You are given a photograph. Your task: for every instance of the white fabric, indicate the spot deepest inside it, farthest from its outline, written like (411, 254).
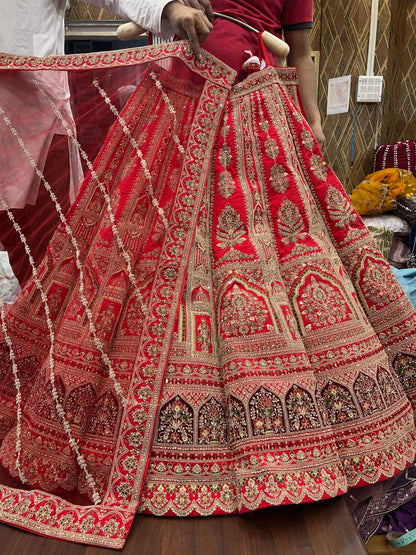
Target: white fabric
(36, 28)
(390, 221)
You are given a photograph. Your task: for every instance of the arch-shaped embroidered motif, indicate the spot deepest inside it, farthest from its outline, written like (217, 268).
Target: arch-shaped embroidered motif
(107, 319)
(136, 223)
(211, 423)
(320, 300)
(266, 413)
(404, 365)
(176, 422)
(118, 282)
(46, 407)
(387, 382)
(103, 418)
(368, 394)
(301, 409)
(339, 403)
(200, 295)
(373, 283)
(79, 403)
(236, 420)
(245, 310)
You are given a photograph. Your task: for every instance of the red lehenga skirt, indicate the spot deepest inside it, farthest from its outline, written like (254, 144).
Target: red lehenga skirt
(212, 329)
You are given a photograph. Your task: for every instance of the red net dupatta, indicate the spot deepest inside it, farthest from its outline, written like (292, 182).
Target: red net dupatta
(140, 125)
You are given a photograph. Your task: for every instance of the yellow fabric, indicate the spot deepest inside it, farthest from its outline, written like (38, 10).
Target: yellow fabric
(380, 190)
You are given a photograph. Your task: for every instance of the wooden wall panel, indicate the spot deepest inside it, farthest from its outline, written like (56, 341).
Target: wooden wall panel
(344, 39)
(86, 12)
(399, 121)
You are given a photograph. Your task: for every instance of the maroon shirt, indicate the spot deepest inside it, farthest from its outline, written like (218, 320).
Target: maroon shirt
(228, 41)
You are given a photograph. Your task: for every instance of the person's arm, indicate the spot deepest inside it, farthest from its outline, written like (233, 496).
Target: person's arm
(187, 19)
(300, 57)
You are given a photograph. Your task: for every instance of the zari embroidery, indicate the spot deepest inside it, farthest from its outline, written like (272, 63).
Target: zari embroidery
(262, 371)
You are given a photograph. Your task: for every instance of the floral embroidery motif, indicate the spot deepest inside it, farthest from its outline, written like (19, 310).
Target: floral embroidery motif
(79, 403)
(105, 322)
(387, 383)
(226, 185)
(307, 140)
(47, 406)
(266, 413)
(271, 148)
(236, 420)
(225, 157)
(56, 299)
(338, 403)
(340, 208)
(203, 335)
(242, 313)
(291, 225)
(231, 230)
(322, 304)
(176, 422)
(134, 318)
(279, 178)
(319, 167)
(368, 394)
(404, 365)
(301, 409)
(211, 423)
(104, 415)
(375, 285)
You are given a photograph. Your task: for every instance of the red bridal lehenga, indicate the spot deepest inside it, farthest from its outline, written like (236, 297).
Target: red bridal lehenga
(212, 329)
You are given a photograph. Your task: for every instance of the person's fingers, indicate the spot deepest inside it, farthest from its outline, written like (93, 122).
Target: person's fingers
(191, 34)
(196, 32)
(203, 27)
(204, 5)
(188, 23)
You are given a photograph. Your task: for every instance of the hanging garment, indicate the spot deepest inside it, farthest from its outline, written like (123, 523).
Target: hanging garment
(213, 329)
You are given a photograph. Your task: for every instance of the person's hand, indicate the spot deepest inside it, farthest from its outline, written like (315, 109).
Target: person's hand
(204, 5)
(319, 135)
(188, 22)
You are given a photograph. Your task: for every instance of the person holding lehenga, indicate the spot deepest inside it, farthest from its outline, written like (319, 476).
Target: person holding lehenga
(213, 329)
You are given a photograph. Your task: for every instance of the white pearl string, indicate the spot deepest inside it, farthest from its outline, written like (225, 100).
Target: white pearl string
(60, 410)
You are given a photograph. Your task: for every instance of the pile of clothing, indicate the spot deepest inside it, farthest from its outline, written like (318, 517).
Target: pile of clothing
(386, 200)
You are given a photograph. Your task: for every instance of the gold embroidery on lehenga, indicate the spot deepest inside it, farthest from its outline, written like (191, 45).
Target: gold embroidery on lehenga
(291, 225)
(211, 423)
(266, 413)
(308, 140)
(319, 167)
(226, 185)
(271, 148)
(322, 304)
(176, 420)
(302, 410)
(368, 394)
(236, 420)
(242, 313)
(279, 178)
(339, 403)
(230, 230)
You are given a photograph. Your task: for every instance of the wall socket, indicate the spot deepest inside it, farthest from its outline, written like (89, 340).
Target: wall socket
(369, 88)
